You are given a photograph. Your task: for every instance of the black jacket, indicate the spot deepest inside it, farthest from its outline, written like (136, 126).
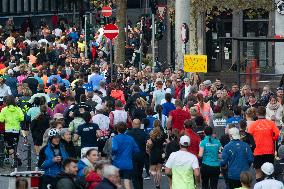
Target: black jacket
(248, 138)
(32, 83)
(66, 181)
(131, 102)
(69, 147)
(39, 125)
(106, 184)
(140, 138)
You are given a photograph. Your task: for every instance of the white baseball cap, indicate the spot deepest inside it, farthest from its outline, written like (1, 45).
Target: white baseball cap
(168, 90)
(267, 168)
(235, 133)
(10, 72)
(184, 140)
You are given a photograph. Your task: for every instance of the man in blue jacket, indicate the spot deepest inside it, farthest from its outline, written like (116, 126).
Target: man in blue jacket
(50, 160)
(237, 157)
(123, 148)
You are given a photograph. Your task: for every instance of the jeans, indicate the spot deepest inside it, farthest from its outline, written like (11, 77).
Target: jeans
(210, 176)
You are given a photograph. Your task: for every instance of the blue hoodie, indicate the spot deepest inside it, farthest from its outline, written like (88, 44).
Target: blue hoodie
(238, 156)
(123, 148)
(50, 167)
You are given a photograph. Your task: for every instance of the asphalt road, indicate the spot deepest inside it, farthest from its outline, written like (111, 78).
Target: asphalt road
(148, 184)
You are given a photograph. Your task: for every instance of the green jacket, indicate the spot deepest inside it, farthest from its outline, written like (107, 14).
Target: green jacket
(11, 116)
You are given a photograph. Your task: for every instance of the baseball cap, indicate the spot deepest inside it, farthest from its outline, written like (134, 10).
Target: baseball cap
(159, 81)
(58, 116)
(184, 140)
(235, 133)
(267, 168)
(168, 90)
(10, 72)
(207, 83)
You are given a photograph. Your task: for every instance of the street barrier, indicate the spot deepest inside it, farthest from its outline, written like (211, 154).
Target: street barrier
(32, 177)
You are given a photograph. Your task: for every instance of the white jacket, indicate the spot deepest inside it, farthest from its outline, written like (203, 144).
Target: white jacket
(277, 113)
(269, 183)
(4, 91)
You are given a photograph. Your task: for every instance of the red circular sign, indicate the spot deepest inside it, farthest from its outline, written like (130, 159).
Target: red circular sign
(111, 31)
(106, 11)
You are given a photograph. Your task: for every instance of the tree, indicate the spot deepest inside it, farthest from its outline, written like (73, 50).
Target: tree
(214, 7)
(119, 57)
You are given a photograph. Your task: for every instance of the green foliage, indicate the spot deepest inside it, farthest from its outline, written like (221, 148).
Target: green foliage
(255, 7)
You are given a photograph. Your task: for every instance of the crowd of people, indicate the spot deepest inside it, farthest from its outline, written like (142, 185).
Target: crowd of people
(91, 132)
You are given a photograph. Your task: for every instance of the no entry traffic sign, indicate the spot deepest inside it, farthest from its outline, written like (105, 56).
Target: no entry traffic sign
(111, 31)
(106, 11)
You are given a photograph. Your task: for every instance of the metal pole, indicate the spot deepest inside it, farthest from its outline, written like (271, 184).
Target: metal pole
(74, 9)
(29, 157)
(153, 41)
(238, 63)
(86, 46)
(111, 62)
(2, 152)
(91, 19)
(141, 43)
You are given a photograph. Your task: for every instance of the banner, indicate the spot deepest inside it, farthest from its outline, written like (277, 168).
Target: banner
(195, 63)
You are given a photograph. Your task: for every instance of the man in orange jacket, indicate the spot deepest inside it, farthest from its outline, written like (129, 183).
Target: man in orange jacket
(265, 133)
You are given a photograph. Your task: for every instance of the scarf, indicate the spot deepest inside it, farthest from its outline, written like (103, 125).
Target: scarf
(273, 106)
(88, 163)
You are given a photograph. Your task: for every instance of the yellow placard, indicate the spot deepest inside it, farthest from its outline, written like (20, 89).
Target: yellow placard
(195, 63)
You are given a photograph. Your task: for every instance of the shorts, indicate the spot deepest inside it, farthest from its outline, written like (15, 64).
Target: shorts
(37, 140)
(125, 174)
(9, 138)
(261, 159)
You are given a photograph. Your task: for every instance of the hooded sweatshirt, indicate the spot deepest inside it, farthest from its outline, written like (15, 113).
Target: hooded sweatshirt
(11, 116)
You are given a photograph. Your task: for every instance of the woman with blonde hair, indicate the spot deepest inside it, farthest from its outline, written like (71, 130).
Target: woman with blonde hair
(250, 116)
(139, 110)
(155, 149)
(245, 91)
(204, 109)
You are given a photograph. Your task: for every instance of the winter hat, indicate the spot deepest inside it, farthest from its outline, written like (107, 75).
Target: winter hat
(267, 168)
(235, 133)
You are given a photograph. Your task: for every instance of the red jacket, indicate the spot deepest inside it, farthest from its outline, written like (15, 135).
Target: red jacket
(194, 141)
(178, 118)
(93, 179)
(265, 133)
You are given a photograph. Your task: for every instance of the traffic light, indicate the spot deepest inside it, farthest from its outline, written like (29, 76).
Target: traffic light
(154, 6)
(159, 31)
